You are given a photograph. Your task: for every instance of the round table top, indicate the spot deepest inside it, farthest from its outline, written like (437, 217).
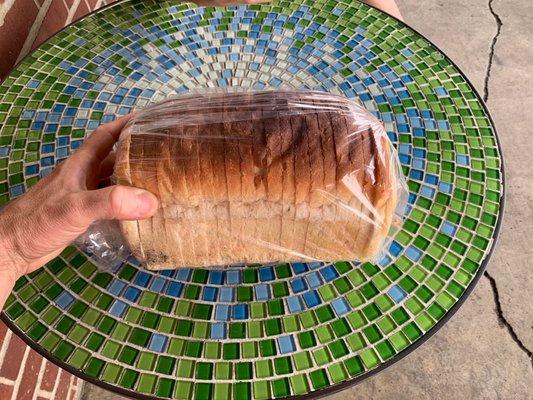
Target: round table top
(274, 330)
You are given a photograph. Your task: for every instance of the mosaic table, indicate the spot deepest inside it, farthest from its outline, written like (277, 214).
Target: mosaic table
(267, 331)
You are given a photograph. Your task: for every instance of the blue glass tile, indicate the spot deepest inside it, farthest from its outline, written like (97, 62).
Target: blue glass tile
(64, 300)
(218, 330)
(158, 343)
(311, 298)
(395, 248)
(286, 344)
(240, 311)
(340, 306)
(174, 289)
(299, 268)
(116, 287)
(118, 308)
(329, 273)
(313, 280)
(157, 284)
(397, 294)
(298, 285)
(445, 187)
(266, 274)
(222, 312)
(462, 160)
(233, 277)
(216, 277)
(142, 279)
(209, 293)
(294, 304)
(448, 228)
(413, 253)
(226, 294)
(262, 292)
(184, 274)
(132, 294)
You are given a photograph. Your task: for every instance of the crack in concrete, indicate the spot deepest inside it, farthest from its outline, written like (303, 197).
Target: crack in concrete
(499, 24)
(499, 311)
(502, 320)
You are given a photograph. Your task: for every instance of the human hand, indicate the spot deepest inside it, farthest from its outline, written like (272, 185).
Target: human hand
(388, 6)
(37, 226)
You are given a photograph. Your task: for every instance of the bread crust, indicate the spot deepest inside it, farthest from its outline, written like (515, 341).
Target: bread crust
(258, 177)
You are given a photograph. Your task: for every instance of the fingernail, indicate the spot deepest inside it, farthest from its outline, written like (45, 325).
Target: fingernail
(146, 204)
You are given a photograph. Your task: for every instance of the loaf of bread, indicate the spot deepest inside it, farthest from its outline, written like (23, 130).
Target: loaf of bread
(258, 177)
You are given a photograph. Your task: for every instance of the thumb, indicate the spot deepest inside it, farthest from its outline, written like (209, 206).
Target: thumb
(117, 202)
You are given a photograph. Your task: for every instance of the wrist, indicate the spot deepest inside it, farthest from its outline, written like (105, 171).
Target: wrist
(11, 264)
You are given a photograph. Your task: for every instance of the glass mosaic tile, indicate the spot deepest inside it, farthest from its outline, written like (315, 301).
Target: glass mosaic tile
(253, 332)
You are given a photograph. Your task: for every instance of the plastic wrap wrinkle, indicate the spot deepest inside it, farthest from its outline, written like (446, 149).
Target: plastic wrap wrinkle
(255, 177)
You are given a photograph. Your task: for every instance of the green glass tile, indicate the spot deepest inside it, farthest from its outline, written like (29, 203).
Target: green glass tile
(146, 383)
(193, 349)
(230, 351)
(302, 361)
(243, 371)
(299, 384)
(306, 339)
(354, 366)
(319, 379)
(355, 341)
(324, 334)
(176, 347)
(139, 336)
(110, 349)
(183, 390)
(185, 368)
(223, 370)
(165, 387)
(282, 365)
(78, 358)
(93, 367)
(63, 350)
(263, 368)
(414, 305)
(212, 350)
(261, 390)
(369, 358)
(128, 355)
(203, 391)
(281, 387)
(222, 391)
(371, 312)
(249, 350)
(129, 378)
(204, 371)
(111, 373)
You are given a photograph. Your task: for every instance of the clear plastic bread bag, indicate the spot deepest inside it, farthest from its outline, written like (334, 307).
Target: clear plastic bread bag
(248, 177)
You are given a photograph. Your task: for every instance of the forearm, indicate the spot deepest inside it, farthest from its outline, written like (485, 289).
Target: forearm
(8, 275)
(389, 6)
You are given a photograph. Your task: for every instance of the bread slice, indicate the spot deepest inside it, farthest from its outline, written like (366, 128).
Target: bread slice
(258, 177)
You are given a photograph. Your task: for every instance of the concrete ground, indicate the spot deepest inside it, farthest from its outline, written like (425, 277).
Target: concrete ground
(484, 351)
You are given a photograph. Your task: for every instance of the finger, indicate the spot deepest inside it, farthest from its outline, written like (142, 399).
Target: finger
(107, 166)
(98, 144)
(105, 170)
(114, 202)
